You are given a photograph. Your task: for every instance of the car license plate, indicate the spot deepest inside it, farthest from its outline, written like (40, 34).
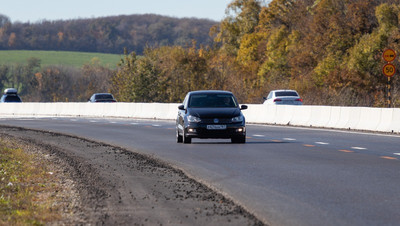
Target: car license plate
(216, 127)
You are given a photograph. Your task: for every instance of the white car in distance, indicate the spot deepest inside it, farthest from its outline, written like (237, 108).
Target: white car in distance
(282, 97)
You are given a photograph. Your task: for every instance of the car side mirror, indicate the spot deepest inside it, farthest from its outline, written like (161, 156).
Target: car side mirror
(181, 107)
(243, 107)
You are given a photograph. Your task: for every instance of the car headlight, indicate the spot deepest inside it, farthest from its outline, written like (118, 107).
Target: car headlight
(238, 119)
(192, 118)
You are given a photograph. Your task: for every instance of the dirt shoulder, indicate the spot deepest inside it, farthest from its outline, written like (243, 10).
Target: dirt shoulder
(110, 185)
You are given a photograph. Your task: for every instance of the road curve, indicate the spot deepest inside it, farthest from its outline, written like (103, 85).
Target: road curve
(283, 175)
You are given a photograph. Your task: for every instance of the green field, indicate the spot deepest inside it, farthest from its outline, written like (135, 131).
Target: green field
(75, 59)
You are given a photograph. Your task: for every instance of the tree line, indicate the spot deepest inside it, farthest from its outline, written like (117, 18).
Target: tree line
(38, 83)
(330, 51)
(106, 34)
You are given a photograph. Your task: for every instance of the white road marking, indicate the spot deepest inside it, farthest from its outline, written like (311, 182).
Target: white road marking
(396, 153)
(74, 120)
(258, 135)
(289, 139)
(156, 125)
(358, 148)
(92, 121)
(322, 143)
(21, 119)
(113, 122)
(323, 129)
(134, 123)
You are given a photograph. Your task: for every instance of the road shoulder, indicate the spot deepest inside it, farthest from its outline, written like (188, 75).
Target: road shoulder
(118, 186)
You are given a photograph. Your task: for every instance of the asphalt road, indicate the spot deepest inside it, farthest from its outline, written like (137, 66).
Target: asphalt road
(283, 175)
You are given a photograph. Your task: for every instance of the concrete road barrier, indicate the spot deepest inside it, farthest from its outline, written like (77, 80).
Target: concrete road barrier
(320, 116)
(300, 115)
(369, 119)
(354, 115)
(395, 125)
(358, 118)
(334, 118)
(284, 114)
(344, 117)
(385, 121)
(258, 113)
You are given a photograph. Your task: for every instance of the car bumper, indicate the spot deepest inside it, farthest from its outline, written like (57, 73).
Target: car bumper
(200, 131)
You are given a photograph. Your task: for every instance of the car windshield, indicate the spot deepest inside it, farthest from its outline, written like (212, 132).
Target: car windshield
(12, 99)
(286, 94)
(212, 101)
(104, 97)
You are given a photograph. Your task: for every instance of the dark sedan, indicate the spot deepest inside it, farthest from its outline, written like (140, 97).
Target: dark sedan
(210, 114)
(102, 98)
(10, 96)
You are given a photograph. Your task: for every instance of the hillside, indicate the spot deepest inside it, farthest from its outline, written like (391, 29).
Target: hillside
(329, 51)
(106, 34)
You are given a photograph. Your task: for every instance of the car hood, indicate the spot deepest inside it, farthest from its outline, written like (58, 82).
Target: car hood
(214, 112)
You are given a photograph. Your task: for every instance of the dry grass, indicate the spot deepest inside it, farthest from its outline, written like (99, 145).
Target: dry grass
(27, 188)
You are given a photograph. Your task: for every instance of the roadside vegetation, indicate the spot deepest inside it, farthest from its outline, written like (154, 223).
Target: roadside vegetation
(27, 189)
(52, 76)
(330, 51)
(55, 83)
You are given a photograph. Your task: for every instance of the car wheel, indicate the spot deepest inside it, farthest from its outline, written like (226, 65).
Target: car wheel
(179, 138)
(186, 140)
(239, 140)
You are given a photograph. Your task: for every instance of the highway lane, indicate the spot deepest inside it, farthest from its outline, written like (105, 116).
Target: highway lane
(284, 175)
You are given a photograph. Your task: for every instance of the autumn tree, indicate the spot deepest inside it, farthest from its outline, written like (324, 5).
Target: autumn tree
(241, 19)
(53, 84)
(95, 79)
(121, 81)
(4, 20)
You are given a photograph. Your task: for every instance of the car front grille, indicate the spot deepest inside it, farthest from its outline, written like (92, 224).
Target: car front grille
(220, 120)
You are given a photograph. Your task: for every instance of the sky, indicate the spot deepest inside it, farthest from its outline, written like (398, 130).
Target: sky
(37, 10)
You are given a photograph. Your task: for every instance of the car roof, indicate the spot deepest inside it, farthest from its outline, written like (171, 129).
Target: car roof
(283, 90)
(210, 91)
(102, 94)
(10, 91)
